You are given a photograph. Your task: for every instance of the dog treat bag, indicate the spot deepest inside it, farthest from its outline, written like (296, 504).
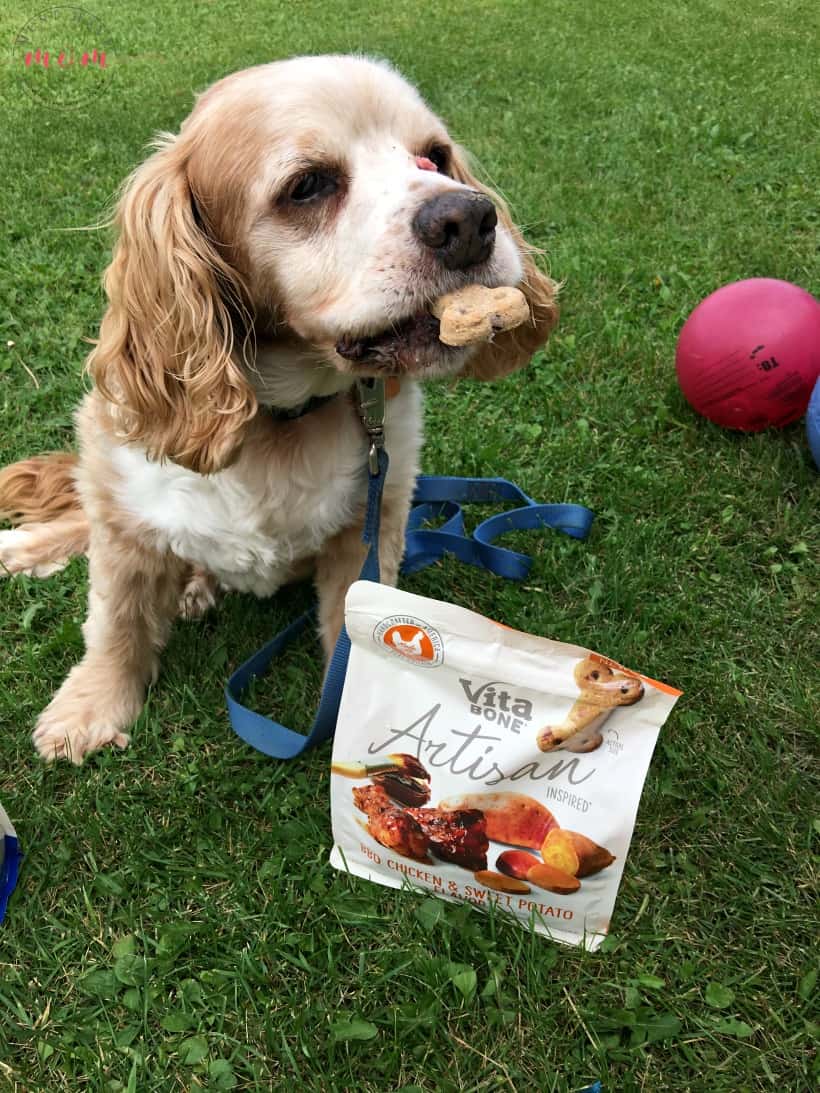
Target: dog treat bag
(480, 763)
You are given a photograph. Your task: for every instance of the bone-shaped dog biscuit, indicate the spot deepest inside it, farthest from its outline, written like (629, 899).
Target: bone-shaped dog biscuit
(475, 313)
(602, 690)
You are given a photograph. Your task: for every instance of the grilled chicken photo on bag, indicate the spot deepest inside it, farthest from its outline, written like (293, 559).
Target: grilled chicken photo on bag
(458, 836)
(390, 825)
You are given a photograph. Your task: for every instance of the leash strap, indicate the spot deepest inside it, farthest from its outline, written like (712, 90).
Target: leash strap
(441, 496)
(437, 497)
(262, 732)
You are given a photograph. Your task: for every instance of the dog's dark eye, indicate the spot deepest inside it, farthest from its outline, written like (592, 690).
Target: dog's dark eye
(313, 185)
(439, 155)
(595, 675)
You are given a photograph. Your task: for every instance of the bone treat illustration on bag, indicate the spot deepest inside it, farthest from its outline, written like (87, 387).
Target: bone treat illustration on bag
(484, 764)
(602, 689)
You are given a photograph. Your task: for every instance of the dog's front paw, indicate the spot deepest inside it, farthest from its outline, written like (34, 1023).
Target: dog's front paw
(198, 596)
(92, 709)
(57, 738)
(19, 554)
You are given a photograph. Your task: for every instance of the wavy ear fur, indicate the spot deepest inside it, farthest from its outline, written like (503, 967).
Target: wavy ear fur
(513, 349)
(165, 355)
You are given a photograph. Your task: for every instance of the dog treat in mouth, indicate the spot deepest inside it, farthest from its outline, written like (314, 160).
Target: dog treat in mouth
(473, 314)
(466, 317)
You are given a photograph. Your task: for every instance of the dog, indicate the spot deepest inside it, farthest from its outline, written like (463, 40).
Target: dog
(289, 240)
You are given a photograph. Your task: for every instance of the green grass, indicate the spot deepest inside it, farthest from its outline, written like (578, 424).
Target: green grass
(177, 925)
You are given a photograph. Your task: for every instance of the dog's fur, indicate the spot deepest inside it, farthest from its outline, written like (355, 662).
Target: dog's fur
(228, 298)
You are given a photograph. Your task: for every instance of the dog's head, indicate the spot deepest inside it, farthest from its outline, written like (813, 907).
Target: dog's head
(295, 234)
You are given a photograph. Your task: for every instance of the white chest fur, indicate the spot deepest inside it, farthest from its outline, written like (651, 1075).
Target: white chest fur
(280, 501)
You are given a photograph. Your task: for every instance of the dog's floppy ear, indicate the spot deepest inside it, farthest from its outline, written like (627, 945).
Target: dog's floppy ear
(513, 349)
(165, 355)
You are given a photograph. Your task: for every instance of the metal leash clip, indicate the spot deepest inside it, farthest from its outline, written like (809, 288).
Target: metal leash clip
(370, 405)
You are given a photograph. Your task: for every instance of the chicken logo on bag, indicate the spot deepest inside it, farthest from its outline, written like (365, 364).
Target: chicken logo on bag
(411, 639)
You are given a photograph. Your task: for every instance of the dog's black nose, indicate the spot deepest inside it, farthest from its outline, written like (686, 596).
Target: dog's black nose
(459, 226)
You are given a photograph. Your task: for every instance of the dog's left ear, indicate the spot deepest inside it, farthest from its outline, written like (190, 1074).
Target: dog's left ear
(513, 349)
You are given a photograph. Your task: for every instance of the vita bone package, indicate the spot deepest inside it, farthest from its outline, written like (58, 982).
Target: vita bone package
(484, 764)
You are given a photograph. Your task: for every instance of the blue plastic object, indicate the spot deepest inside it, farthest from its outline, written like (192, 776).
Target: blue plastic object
(813, 424)
(9, 861)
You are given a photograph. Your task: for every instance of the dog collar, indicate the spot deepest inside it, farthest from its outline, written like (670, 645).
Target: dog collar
(295, 412)
(391, 386)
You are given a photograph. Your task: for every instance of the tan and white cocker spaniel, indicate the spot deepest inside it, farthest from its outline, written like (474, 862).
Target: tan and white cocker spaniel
(289, 240)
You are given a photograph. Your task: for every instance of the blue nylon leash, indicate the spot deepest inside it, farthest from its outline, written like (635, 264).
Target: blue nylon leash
(262, 732)
(437, 497)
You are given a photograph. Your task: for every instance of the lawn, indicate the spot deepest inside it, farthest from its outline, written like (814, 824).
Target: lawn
(177, 925)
